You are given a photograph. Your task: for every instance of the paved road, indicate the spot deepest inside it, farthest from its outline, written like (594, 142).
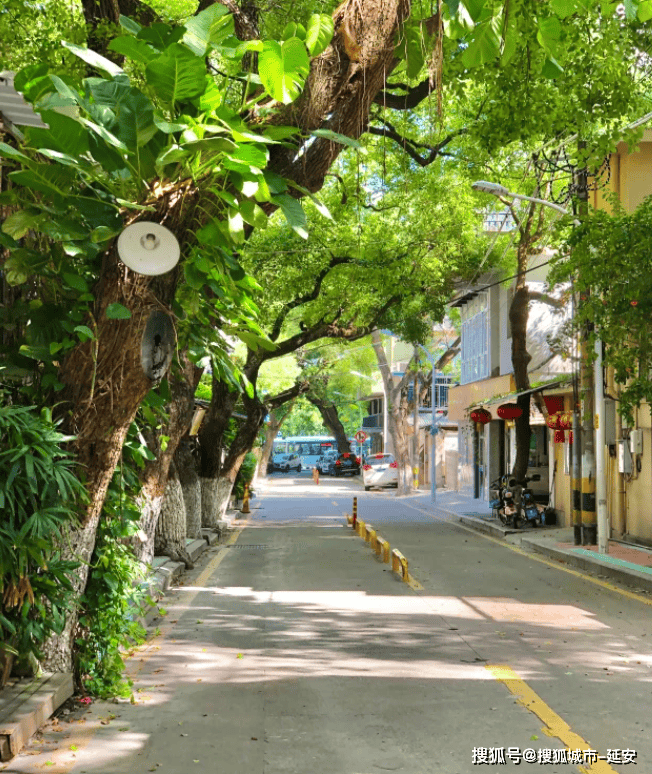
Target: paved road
(295, 650)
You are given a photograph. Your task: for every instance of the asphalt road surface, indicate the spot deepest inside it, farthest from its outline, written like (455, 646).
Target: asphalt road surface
(294, 649)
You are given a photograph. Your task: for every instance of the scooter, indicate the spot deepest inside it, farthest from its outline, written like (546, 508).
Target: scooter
(503, 503)
(530, 508)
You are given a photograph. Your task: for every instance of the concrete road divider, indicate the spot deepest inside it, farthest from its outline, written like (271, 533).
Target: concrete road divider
(382, 548)
(370, 534)
(400, 565)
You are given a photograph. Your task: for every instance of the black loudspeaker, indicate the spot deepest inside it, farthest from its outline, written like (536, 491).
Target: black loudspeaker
(157, 346)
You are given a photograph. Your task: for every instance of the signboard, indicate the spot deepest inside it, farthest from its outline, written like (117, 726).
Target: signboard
(360, 436)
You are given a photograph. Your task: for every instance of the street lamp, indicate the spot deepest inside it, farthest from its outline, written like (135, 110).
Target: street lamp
(495, 189)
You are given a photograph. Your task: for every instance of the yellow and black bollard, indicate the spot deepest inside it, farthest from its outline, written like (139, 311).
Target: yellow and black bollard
(245, 500)
(355, 511)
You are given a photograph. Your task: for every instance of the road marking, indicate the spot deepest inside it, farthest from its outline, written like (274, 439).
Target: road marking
(555, 725)
(555, 564)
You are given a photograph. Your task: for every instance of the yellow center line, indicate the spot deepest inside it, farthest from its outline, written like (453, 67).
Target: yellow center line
(557, 565)
(554, 724)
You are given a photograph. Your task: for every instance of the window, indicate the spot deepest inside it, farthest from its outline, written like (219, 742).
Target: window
(475, 348)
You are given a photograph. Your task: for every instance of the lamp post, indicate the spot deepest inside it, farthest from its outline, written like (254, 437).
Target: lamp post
(591, 464)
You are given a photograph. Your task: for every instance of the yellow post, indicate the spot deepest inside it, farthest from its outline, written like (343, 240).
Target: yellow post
(355, 511)
(245, 500)
(315, 475)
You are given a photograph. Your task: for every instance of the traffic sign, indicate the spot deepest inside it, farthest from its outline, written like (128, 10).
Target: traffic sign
(360, 436)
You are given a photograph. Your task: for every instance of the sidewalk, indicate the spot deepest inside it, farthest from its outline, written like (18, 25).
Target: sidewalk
(627, 563)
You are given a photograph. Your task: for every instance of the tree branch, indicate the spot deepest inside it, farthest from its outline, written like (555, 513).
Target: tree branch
(557, 303)
(411, 147)
(414, 95)
(311, 295)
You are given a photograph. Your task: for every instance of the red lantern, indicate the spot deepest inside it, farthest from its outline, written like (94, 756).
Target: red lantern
(554, 403)
(481, 415)
(509, 411)
(566, 421)
(552, 420)
(560, 436)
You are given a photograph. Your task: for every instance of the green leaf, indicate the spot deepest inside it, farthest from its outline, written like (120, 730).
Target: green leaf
(109, 138)
(76, 282)
(236, 226)
(551, 68)
(294, 213)
(117, 312)
(129, 24)
(563, 8)
(103, 234)
(136, 125)
(161, 35)
(485, 47)
(200, 28)
(20, 222)
(411, 48)
(47, 178)
(253, 214)
(85, 333)
(134, 49)
(341, 138)
(93, 59)
(7, 152)
(284, 68)
(645, 10)
(177, 75)
(319, 33)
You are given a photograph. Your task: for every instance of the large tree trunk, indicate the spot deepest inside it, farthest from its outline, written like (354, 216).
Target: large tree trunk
(186, 464)
(170, 536)
(518, 317)
(104, 385)
(396, 397)
(332, 421)
(271, 431)
(342, 85)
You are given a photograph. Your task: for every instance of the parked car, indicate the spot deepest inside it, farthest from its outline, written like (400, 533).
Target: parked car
(286, 462)
(270, 465)
(345, 463)
(380, 470)
(324, 462)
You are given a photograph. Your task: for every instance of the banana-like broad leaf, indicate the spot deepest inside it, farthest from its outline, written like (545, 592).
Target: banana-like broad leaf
(134, 49)
(201, 28)
(136, 125)
(7, 152)
(177, 74)
(63, 134)
(319, 33)
(46, 178)
(283, 68)
(94, 59)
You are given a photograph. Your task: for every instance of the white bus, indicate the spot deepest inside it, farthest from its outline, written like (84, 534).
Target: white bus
(311, 447)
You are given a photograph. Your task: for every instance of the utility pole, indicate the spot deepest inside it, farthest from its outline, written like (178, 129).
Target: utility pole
(589, 518)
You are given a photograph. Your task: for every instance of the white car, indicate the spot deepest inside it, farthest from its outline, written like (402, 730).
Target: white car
(287, 462)
(324, 462)
(380, 470)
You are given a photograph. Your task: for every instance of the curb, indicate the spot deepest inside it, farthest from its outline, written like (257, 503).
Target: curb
(26, 706)
(486, 526)
(627, 575)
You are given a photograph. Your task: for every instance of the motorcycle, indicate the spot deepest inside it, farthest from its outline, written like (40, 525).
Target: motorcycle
(530, 508)
(503, 503)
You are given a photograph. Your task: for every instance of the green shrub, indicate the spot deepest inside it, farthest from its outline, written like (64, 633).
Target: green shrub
(39, 494)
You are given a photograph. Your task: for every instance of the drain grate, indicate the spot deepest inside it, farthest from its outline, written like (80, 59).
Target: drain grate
(247, 545)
